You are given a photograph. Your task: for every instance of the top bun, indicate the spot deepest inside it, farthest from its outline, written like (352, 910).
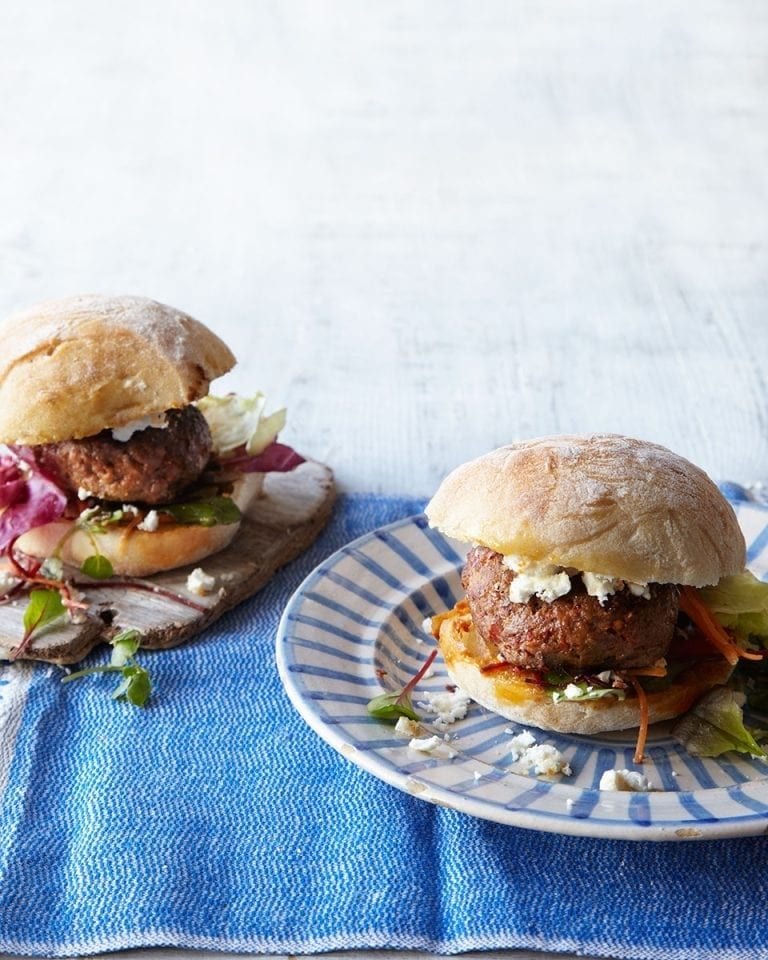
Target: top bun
(73, 367)
(602, 503)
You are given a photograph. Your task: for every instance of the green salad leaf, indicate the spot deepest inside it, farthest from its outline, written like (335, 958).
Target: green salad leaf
(392, 706)
(237, 421)
(740, 603)
(97, 566)
(43, 608)
(205, 513)
(562, 687)
(580, 690)
(124, 646)
(135, 685)
(715, 725)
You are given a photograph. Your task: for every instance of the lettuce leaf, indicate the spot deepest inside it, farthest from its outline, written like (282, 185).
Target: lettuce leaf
(239, 422)
(740, 603)
(583, 690)
(715, 725)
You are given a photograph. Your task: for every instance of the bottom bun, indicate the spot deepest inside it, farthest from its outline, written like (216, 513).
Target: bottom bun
(475, 667)
(140, 553)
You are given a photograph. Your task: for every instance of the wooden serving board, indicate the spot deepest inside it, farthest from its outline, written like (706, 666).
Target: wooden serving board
(281, 524)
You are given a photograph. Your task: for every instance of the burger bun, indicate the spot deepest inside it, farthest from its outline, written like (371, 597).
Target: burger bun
(73, 367)
(601, 503)
(139, 553)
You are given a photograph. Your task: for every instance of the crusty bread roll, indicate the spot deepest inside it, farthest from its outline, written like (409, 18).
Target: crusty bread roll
(140, 553)
(602, 503)
(504, 689)
(72, 367)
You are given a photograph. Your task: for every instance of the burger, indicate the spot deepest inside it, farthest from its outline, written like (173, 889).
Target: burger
(113, 457)
(583, 610)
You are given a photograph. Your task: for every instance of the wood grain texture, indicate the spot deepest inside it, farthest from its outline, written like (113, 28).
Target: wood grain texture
(278, 526)
(428, 228)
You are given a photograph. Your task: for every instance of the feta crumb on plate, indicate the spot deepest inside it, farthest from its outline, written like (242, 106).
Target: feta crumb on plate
(545, 760)
(520, 742)
(405, 727)
(200, 582)
(541, 758)
(432, 745)
(448, 707)
(625, 780)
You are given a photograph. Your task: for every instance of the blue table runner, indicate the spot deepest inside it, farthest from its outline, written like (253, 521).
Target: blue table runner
(216, 819)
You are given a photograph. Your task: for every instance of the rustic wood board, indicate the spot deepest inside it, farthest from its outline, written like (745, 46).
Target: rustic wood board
(281, 524)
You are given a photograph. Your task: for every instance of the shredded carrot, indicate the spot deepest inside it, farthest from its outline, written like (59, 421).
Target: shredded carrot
(130, 527)
(695, 608)
(642, 733)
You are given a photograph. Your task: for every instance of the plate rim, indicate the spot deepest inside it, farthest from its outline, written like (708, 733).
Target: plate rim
(621, 828)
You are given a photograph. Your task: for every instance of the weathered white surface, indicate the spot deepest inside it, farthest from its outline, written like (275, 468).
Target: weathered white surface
(427, 227)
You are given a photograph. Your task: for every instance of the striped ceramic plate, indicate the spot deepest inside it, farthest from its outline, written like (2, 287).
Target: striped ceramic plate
(354, 629)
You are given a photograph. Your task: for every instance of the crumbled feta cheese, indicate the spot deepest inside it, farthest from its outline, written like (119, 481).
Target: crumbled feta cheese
(625, 780)
(123, 434)
(638, 589)
(519, 743)
(426, 625)
(545, 760)
(130, 509)
(200, 582)
(572, 692)
(52, 569)
(150, 523)
(83, 494)
(405, 727)
(600, 586)
(542, 758)
(8, 582)
(448, 706)
(433, 745)
(542, 580)
(548, 582)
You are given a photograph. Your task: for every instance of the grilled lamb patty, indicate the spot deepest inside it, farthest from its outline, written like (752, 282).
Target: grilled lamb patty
(574, 633)
(153, 466)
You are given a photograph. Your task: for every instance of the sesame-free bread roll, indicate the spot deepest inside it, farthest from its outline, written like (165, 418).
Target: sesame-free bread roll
(602, 503)
(75, 366)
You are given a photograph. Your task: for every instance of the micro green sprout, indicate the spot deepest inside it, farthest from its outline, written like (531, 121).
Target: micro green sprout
(135, 685)
(391, 706)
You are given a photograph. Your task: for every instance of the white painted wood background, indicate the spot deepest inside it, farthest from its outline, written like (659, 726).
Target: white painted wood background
(426, 227)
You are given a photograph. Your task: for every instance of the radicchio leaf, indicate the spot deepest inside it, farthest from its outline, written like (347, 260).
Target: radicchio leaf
(277, 458)
(29, 497)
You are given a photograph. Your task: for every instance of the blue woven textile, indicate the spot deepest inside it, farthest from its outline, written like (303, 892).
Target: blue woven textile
(217, 819)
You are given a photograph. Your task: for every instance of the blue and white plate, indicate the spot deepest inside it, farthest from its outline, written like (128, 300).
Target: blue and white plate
(354, 629)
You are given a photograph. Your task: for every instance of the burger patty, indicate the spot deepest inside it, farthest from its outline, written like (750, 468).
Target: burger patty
(575, 633)
(153, 466)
